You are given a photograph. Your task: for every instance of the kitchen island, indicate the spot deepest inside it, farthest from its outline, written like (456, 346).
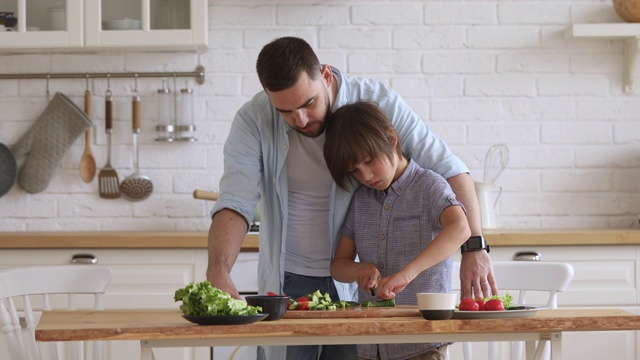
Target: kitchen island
(169, 329)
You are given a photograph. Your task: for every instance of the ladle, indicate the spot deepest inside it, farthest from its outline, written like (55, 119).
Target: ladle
(87, 162)
(136, 187)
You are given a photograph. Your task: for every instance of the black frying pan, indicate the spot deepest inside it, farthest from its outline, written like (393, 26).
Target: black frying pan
(8, 169)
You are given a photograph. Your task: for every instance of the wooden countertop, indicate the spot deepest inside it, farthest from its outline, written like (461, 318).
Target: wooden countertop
(168, 324)
(108, 240)
(64, 240)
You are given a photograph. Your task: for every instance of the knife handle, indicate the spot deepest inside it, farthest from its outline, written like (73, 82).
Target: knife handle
(205, 195)
(108, 108)
(87, 103)
(135, 109)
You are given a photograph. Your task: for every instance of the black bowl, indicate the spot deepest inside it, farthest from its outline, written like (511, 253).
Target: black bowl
(436, 314)
(275, 306)
(8, 19)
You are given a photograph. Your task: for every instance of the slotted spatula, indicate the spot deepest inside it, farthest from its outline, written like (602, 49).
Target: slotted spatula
(108, 181)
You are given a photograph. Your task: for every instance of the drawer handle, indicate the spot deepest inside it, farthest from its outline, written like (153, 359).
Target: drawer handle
(527, 256)
(83, 259)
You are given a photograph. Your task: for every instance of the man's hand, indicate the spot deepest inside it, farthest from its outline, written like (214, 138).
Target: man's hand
(226, 233)
(223, 282)
(476, 275)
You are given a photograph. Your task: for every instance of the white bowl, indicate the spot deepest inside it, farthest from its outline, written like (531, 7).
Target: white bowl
(124, 24)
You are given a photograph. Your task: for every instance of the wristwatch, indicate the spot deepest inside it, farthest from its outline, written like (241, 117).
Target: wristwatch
(474, 243)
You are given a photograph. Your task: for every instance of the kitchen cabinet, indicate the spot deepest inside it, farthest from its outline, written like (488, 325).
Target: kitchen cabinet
(605, 277)
(104, 24)
(143, 279)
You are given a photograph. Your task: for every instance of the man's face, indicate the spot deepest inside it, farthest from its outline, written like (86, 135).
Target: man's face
(306, 105)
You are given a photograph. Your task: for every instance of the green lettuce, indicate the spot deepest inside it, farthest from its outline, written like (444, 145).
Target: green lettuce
(202, 299)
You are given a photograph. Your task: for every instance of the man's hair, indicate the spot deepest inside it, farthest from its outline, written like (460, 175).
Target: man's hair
(354, 132)
(282, 61)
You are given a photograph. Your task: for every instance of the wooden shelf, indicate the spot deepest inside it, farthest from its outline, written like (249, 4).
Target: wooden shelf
(629, 33)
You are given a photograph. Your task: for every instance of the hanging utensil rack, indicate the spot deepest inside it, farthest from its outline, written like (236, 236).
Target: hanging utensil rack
(198, 74)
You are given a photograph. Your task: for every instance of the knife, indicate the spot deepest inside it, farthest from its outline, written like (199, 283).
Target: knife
(373, 291)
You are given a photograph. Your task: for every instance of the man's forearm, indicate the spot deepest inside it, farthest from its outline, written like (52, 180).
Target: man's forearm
(462, 185)
(225, 240)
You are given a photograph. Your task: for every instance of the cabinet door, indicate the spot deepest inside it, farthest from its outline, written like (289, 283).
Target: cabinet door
(146, 23)
(41, 24)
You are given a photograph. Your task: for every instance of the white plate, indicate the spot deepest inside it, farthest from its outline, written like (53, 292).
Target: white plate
(526, 312)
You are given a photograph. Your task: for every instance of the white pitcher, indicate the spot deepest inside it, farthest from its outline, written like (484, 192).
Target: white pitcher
(487, 207)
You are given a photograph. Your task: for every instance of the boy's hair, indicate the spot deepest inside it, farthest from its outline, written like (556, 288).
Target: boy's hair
(282, 61)
(354, 132)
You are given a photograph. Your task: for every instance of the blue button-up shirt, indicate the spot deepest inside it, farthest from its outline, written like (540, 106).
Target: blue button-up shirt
(255, 168)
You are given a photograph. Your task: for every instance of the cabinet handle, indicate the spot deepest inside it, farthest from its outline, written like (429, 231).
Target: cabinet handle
(83, 259)
(527, 256)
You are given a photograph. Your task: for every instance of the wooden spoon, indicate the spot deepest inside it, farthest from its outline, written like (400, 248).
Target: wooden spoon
(87, 162)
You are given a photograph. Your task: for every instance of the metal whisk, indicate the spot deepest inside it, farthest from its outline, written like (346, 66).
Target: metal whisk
(495, 161)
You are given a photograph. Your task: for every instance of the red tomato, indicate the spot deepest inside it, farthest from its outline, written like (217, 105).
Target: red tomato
(271, 293)
(302, 298)
(494, 305)
(303, 305)
(480, 303)
(468, 304)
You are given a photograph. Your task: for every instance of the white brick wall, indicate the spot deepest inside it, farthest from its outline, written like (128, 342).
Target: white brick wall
(479, 72)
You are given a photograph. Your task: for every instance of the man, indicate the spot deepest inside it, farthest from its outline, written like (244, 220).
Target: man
(274, 154)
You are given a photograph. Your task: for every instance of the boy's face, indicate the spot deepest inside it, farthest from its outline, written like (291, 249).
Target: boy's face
(377, 173)
(306, 105)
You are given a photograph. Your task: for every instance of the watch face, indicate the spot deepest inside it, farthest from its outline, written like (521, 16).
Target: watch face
(475, 242)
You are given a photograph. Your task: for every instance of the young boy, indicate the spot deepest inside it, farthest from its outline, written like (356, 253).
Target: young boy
(404, 224)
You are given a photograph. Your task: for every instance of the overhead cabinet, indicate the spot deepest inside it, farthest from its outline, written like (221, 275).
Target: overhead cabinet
(100, 24)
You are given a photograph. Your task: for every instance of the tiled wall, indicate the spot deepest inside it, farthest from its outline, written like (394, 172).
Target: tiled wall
(479, 72)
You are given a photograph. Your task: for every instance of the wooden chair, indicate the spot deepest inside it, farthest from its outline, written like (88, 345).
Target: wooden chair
(542, 281)
(26, 291)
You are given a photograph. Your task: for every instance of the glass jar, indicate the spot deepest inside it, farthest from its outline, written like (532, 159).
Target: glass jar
(172, 14)
(165, 127)
(57, 17)
(185, 128)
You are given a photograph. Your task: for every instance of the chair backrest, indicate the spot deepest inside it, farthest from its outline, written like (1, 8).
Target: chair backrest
(28, 290)
(545, 279)
(541, 281)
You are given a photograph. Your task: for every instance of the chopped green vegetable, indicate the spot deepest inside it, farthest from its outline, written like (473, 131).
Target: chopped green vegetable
(386, 303)
(202, 299)
(366, 303)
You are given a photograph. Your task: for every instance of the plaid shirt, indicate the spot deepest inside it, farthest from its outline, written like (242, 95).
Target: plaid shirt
(390, 228)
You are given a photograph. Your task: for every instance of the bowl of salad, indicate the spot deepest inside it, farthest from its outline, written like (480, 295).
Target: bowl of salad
(204, 304)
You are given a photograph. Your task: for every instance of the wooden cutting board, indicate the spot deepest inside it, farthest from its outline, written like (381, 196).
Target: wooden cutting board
(355, 312)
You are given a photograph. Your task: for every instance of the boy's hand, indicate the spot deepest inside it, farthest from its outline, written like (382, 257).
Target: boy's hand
(367, 276)
(390, 286)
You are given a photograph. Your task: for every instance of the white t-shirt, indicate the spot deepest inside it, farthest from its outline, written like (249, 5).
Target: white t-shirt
(308, 248)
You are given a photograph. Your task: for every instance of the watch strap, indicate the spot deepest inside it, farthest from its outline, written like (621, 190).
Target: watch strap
(475, 243)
